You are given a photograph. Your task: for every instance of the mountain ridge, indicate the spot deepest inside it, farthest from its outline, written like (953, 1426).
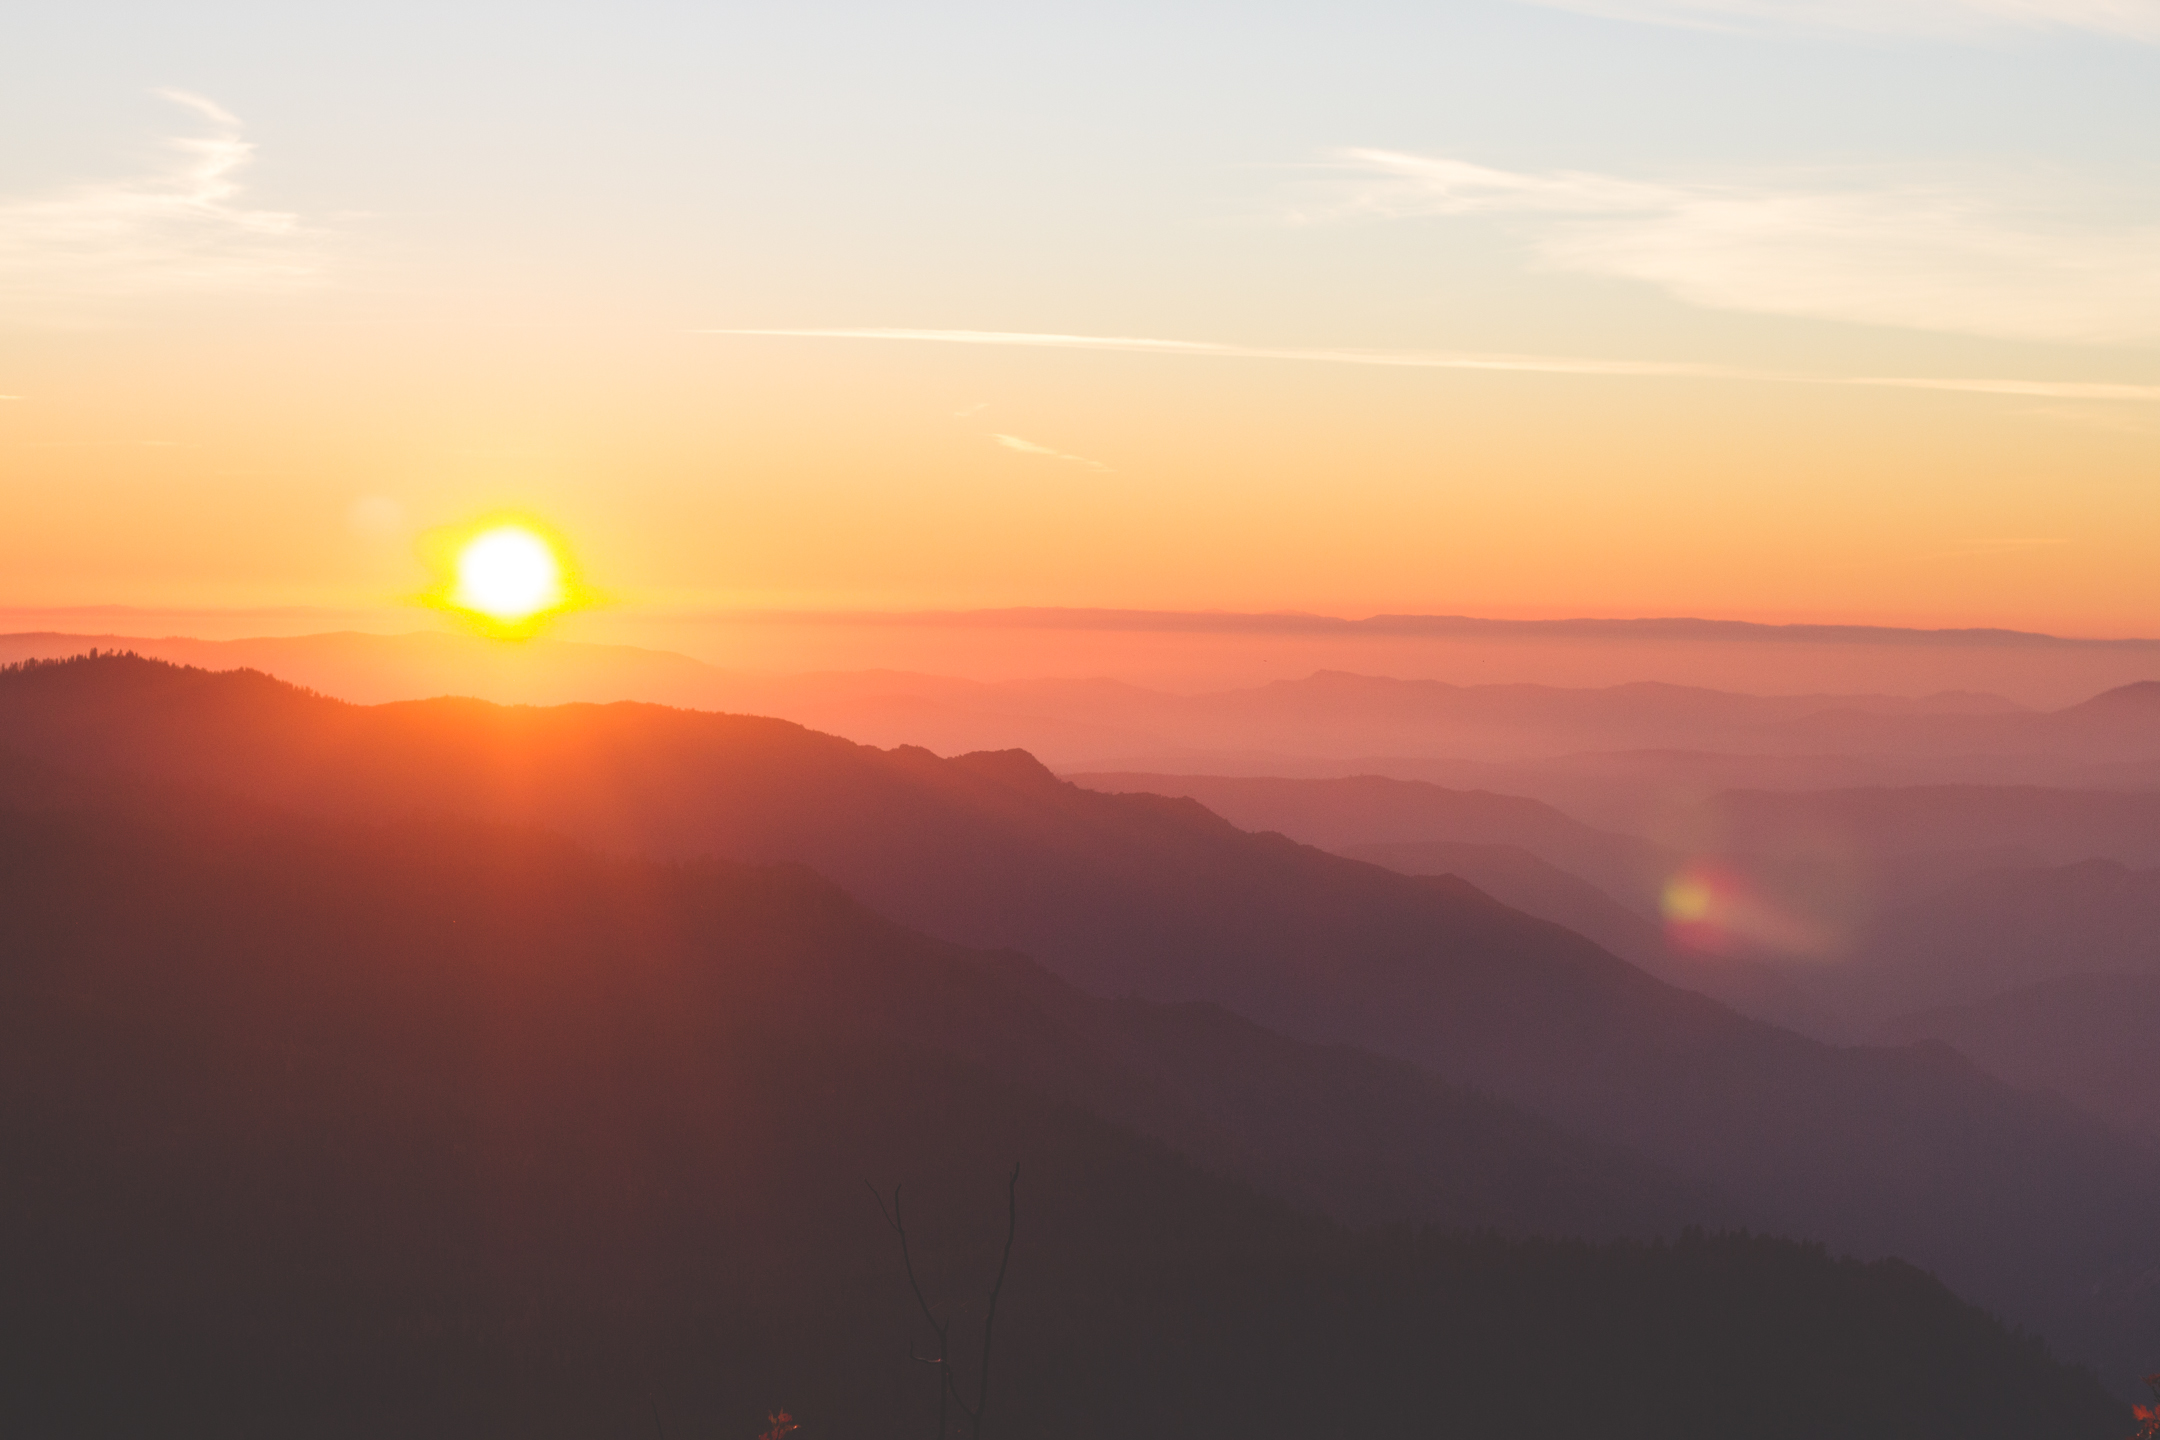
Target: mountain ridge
(2019, 1200)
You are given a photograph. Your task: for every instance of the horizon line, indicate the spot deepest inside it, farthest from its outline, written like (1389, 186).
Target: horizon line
(1111, 619)
(1653, 627)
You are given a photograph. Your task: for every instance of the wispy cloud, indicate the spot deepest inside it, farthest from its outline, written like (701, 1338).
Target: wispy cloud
(2127, 19)
(1440, 360)
(1029, 447)
(181, 229)
(1133, 344)
(1933, 257)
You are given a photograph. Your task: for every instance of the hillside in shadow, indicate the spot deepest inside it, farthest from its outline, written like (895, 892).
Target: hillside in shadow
(1908, 897)
(2086, 1037)
(428, 1128)
(2017, 1200)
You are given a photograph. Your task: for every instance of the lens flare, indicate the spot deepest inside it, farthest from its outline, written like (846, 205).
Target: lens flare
(1715, 909)
(1688, 898)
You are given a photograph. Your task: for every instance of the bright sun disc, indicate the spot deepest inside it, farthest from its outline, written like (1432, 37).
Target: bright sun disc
(508, 574)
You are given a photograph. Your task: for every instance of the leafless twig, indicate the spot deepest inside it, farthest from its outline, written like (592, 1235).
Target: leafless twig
(949, 1388)
(1012, 1227)
(946, 1392)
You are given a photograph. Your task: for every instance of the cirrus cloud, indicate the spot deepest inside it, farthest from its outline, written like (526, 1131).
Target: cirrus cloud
(2094, 390)
(1927, 256)
(1029, 447)
(180, 229)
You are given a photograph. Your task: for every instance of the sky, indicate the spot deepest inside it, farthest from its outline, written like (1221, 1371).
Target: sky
(1786, 310)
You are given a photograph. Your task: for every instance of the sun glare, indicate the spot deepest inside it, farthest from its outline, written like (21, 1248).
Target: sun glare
(509, 574)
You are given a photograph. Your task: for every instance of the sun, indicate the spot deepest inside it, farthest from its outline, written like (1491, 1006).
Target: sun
(509, 574)
(506, 576)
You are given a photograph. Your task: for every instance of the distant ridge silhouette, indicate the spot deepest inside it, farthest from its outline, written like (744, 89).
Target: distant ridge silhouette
(1641, 739)
(2020, 1201)
(2141, 697)
(1300, 623)
(2085, 1036)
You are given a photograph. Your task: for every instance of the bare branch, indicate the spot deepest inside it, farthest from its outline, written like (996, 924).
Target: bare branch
(949, 1395)
(946, 1391)
(907, 1262)
(1012, 1227)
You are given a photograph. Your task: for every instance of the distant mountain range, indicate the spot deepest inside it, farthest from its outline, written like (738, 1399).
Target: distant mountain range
(2088, 1037)
(1297, 623)
(2041, 974)
(2015, 1199)
(1933, 894)
(1618, 746)
(2002, 930)
(1369, 810)
(1275, 622)
(1514, 876)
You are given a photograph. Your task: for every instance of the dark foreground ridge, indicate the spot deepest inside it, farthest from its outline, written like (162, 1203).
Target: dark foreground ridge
(434, 1128)
(2018, 1201)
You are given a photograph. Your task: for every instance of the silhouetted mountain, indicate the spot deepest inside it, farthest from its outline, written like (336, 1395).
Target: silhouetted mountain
(1906, 885)
(1909, 881)
(1638, 791)
(1517, 878)
(2089, 1038)
(2001, 930)
(2134, 704)
(1842, 864)
(1955, 736)
(1827, 873)
(2052, 826)
(1525, 854)
(1367, 810)
(432, 1129)
(2019, 1201)
(1338, 1130)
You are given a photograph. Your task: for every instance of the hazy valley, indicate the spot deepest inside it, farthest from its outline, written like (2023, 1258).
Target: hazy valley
(1310, 1027)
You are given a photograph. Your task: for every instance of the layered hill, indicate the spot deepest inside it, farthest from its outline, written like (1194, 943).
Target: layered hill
(1910, 897)
(2089, 1038)
(1342, 1132)
(1364, 810)
(2038, 825)
(2005, 929)
(1516, 877)
(2016, 1199)
(1676, 733)
(432, 1128)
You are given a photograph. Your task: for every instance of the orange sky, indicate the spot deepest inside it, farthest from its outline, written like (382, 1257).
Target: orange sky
(701, 473)
(262, 331)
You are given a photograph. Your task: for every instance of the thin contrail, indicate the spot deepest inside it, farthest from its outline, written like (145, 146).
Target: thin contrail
(1455, 360)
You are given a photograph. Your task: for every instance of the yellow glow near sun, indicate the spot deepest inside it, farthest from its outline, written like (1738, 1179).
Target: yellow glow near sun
(509, 574)
(1687, 898)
